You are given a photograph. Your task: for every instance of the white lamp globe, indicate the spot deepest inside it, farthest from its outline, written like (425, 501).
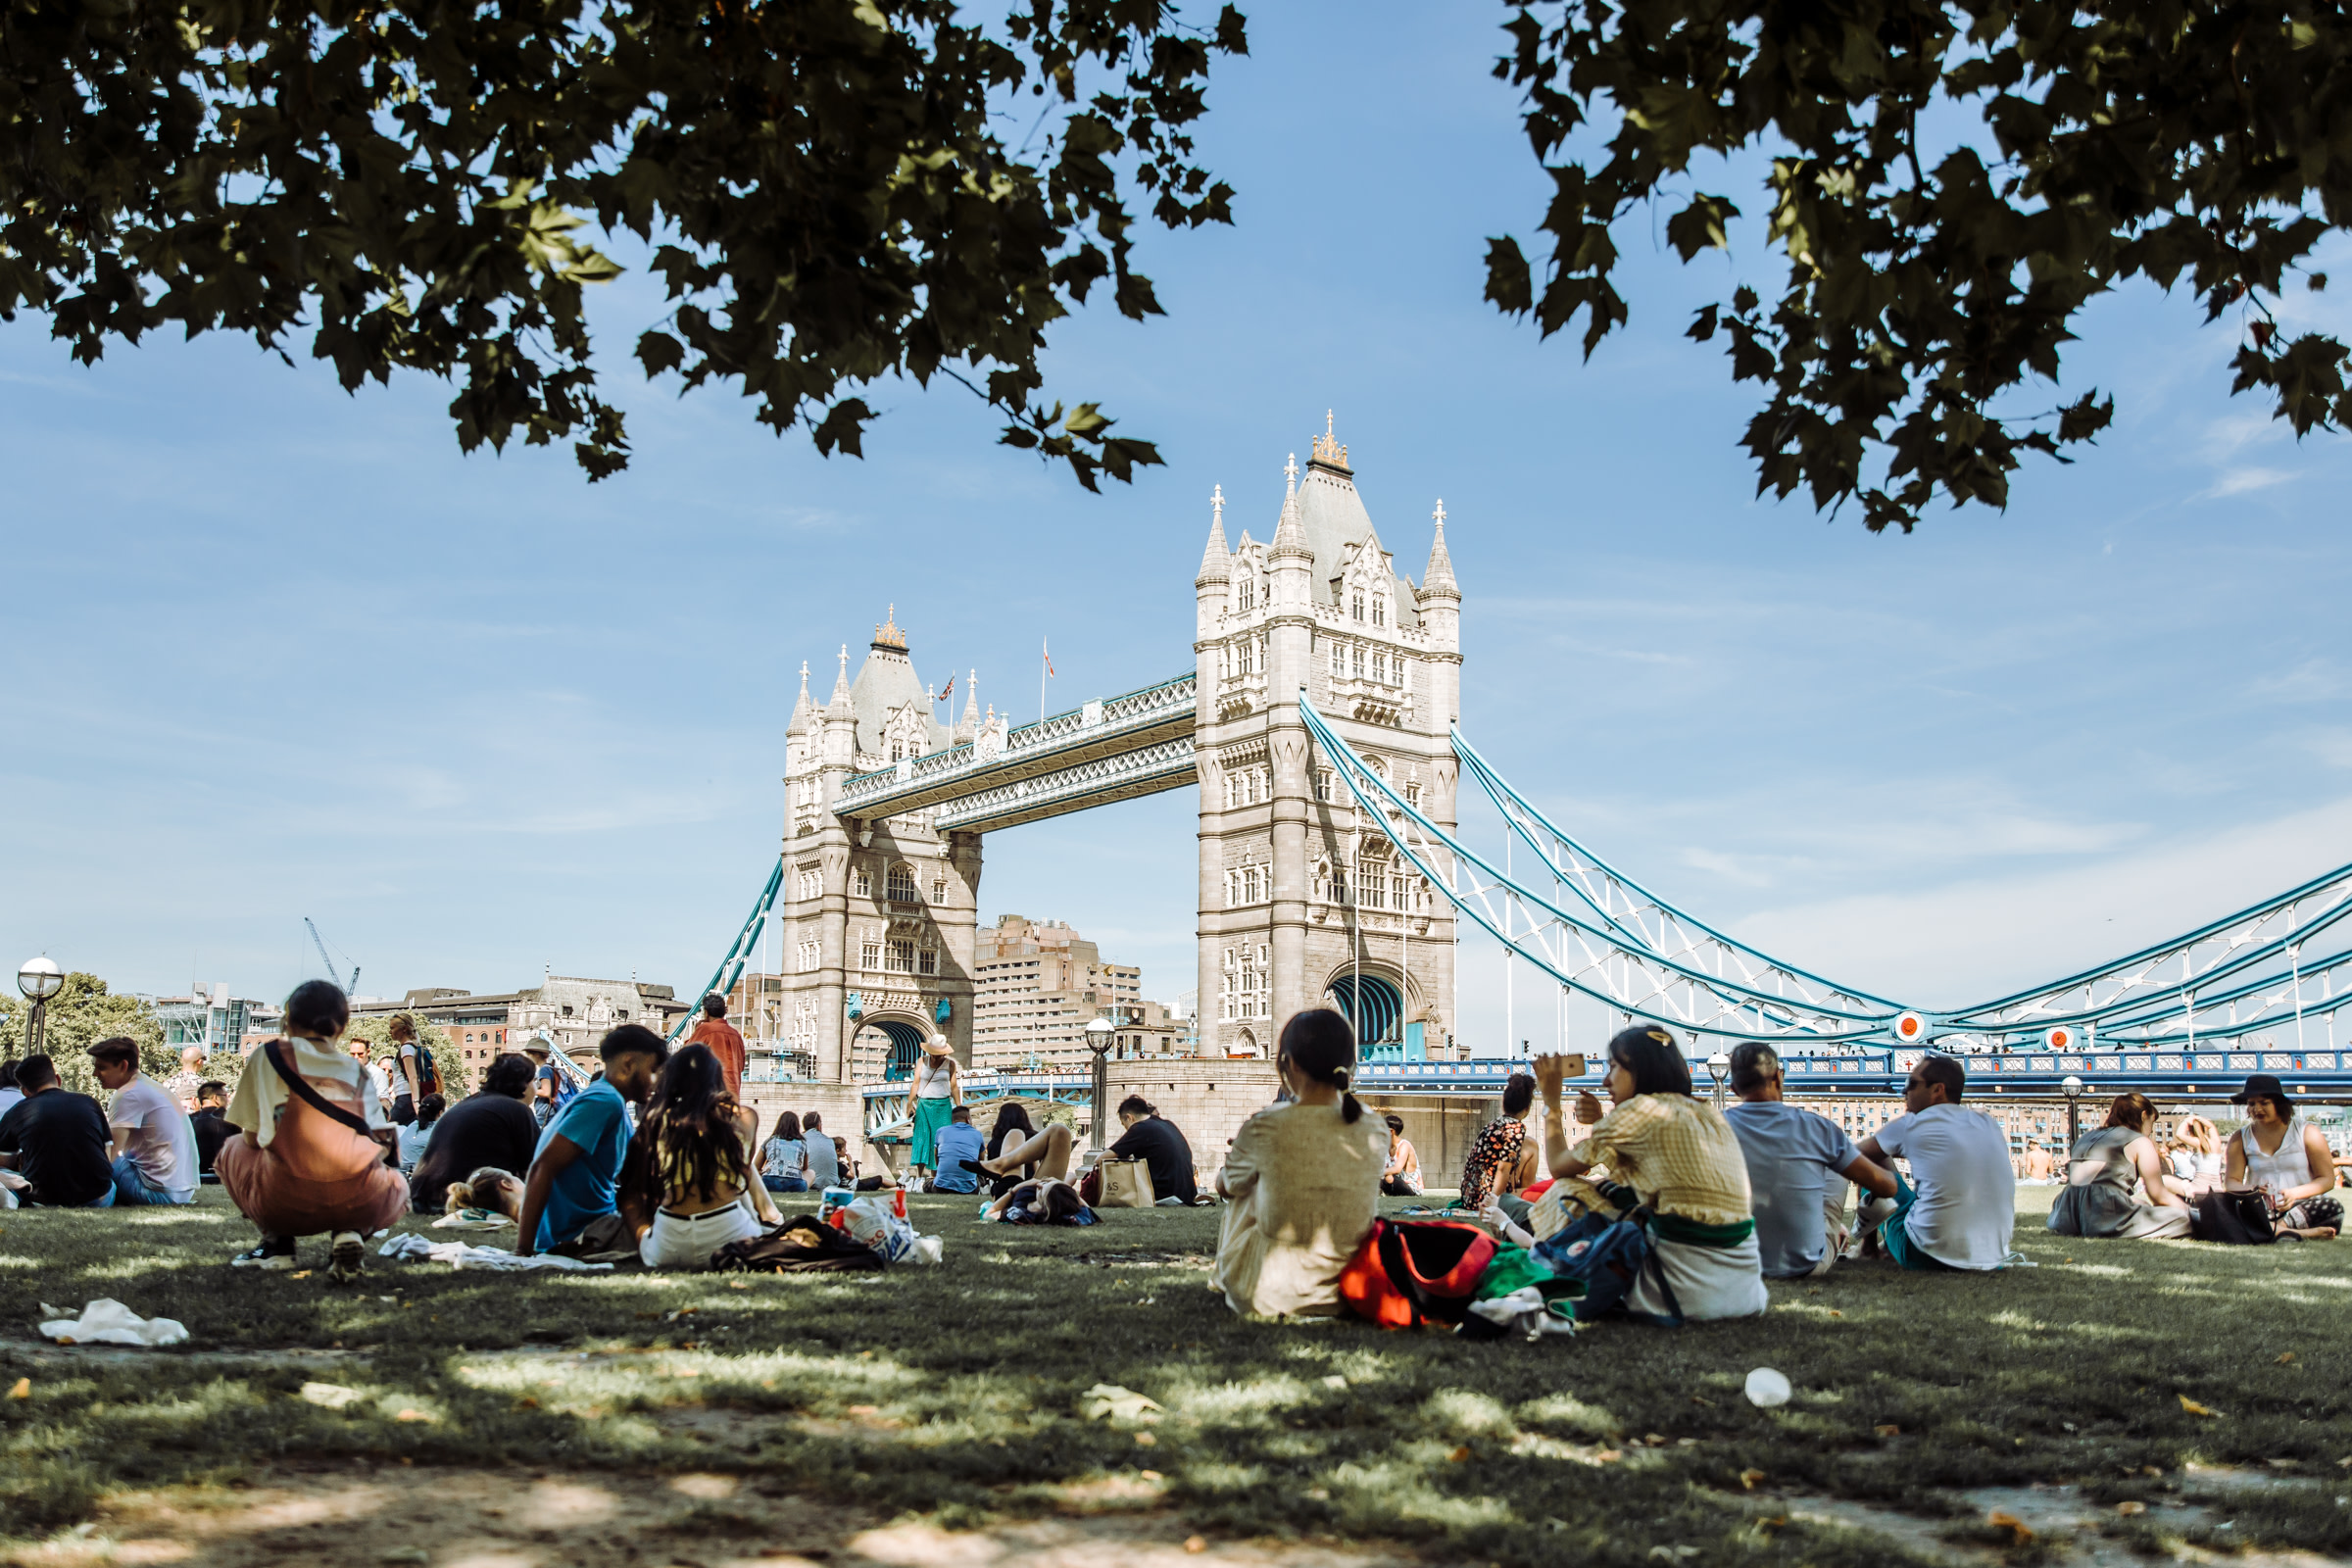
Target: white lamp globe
(40, 978)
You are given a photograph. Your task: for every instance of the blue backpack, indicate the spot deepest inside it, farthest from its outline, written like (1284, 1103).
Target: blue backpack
(1606, 1253)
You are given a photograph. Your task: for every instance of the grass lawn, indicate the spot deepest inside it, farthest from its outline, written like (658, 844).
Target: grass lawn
(680, 1418)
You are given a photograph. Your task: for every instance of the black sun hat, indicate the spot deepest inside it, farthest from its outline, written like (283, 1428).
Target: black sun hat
(2261, 1082)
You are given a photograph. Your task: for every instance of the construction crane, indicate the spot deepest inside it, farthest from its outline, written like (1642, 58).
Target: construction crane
(350, 986)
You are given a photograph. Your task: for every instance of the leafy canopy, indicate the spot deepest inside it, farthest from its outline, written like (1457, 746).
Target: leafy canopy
(827, 184)
(82, 1014)
(2166, 139)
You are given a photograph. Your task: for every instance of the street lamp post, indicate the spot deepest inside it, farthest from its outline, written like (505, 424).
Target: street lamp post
(1098, 1041)
(2074, 1100)
(40, 979)
(1717, 1065)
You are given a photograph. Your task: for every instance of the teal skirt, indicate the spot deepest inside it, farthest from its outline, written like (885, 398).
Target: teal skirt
(930, 1115)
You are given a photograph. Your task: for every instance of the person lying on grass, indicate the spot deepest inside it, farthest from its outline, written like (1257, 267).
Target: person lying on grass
(1049, 1199)
(2101, 1169)
(311, 1159)
(492, 1127)
(692, 1172)
(1681, 1159)
(1965, 1203)
(569, 1197)
(487, 1191)
(1301, 1179)
(1799, 1162)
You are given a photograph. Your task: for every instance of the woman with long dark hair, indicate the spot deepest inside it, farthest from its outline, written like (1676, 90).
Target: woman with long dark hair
(1674, 1155)
(690, 1163)
(1301, 1179)
(784, 1157)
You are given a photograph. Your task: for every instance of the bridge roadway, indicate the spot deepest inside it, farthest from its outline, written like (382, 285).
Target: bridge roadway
(2200, 1076)
(1139, 743)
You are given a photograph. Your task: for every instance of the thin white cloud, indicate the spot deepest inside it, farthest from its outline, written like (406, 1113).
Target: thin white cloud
(2243, 482)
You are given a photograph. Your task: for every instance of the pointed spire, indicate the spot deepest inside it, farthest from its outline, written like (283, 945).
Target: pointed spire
(970, 724)
(1438, 578)
(841, 681)
(1216, 561)
(1327, 452)
(1290, 535)
(801, 709)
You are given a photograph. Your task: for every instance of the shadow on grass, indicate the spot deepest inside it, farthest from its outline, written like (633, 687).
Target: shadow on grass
(958, 1391)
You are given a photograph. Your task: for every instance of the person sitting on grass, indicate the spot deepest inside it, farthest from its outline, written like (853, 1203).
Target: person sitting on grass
(210, 1127)
(154, 1149)
(2285, 1158)
(1047, 1200)
(1959, 1207)
(311, 1159)
(825, 1157)
(1301, 1179)
(1494, 1162)
(960, 1145)
(692, 1171)
(487, 1191)
(416, 1135)
(2197, 1160)
(11, 1096)
(1680, 1159)
(784, 1157)
(1153, 1139)
(1400, 1177)
(1799, 1162)
(2096, 1200)
(56, 1143)
(492, 1127)
(569, 1197)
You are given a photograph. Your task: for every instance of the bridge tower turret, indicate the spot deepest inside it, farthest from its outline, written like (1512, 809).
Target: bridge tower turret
(1301, 904)
(880, 910)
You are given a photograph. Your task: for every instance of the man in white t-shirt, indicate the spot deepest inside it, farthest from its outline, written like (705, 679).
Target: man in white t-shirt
(1959, 1208)
(1798, 1164)
(155, 1147)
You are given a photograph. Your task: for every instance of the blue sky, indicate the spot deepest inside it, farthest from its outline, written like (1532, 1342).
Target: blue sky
(277, 652)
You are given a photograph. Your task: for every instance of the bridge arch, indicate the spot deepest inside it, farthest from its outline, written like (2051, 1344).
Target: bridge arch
(1381, 1003)
(904, 1034)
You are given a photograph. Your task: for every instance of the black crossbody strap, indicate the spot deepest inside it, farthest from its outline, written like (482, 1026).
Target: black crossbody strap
(276, 1049)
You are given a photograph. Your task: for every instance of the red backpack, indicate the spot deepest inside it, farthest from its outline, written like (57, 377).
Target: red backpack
(1409, 1273)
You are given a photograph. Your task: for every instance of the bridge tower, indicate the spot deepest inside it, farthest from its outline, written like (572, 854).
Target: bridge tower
(876, 918)
(1303, 903)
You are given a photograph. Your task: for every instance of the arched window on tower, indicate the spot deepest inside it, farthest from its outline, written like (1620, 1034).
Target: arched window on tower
(1339, 660)
(1249, 593)
(902, 884)
(1380, 608)
(1357, 605)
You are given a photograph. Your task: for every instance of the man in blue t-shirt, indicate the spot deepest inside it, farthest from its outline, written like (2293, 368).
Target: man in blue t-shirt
(1798, 1164)
(569, 1199)
(958, 1141)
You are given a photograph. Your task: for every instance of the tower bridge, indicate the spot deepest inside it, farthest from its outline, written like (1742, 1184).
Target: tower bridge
(1319, 722)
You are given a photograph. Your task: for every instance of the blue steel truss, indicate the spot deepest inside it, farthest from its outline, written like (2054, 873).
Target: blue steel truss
(2278, 967)
(747, 942)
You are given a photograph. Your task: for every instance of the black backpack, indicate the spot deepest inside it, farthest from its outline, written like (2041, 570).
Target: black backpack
(802, 1246)
(2235, 1219)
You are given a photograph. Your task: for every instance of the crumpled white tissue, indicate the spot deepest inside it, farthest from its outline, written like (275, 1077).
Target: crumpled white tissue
(110, 1322)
